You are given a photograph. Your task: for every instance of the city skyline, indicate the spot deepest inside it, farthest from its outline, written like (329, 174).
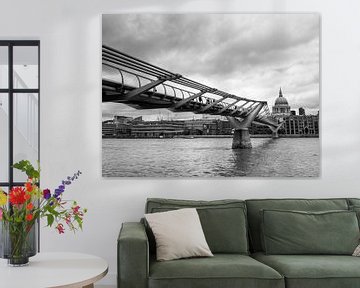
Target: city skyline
(257, 52)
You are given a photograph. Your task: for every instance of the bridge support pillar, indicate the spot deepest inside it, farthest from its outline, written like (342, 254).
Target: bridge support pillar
(275, 134)
(241, 139)
(275, 130)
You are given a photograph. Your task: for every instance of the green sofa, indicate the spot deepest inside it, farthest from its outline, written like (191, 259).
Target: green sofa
(235, 234)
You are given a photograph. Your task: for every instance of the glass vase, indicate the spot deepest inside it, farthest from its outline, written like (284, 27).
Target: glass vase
(18, 242)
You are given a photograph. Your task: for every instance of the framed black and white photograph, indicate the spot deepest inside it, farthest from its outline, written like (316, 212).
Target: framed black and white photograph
(211, 95)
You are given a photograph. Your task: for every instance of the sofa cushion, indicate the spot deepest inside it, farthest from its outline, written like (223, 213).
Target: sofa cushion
(254, 216)
(223, 221)
(297, 232)
(222, 270)
(313, 271)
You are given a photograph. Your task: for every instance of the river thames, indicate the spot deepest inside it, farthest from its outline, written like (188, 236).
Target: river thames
(210, 157)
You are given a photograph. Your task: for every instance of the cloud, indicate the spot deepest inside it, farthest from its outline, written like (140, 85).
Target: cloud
(250, 55)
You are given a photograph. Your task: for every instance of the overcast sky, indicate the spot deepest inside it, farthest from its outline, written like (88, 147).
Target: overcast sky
(249, 55)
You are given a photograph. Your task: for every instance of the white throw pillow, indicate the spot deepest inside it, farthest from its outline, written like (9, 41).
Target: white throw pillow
(178, 234)
(357, 251)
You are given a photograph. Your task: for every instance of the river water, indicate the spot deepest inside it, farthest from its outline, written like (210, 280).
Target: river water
(210, 157)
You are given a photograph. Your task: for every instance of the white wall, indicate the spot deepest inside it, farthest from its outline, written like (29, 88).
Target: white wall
(70, 34)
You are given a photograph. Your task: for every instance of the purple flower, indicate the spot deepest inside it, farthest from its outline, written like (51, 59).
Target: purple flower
(46, 194)
(64, 183)
(58, 192)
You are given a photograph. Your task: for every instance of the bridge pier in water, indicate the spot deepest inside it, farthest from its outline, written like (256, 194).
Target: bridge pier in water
(275, 130)
(241, 139)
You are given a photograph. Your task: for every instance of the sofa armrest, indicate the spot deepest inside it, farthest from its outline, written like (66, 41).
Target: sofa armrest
(133, 256)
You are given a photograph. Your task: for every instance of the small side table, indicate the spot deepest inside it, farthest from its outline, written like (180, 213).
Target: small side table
(50, 270)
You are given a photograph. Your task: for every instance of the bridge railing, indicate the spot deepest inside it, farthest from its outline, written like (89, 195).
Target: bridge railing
(142, 80)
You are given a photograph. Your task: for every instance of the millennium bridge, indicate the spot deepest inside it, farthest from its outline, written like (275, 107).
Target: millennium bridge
(141, 85)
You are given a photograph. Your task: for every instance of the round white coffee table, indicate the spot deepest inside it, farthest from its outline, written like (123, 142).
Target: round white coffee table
(60, 270)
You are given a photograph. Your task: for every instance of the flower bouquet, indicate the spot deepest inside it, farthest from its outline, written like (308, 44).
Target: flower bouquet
(21, 208)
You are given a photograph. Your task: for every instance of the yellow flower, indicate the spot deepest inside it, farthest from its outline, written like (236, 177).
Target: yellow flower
(3, 198)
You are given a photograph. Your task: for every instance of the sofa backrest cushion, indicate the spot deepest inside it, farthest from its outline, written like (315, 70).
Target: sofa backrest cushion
(256, 205)
(298, 232)
(356, 209)
(354, 205)
(353, 202)
(223, 222)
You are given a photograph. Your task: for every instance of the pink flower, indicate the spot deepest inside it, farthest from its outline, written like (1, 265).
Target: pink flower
(60, 228)
(1, 212)
(76, 210)
(68, 219)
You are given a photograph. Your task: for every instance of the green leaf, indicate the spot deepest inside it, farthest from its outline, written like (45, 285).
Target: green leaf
(53, 211)
(21, 165)
(28, 168)
(79, 221)
(50, 219)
